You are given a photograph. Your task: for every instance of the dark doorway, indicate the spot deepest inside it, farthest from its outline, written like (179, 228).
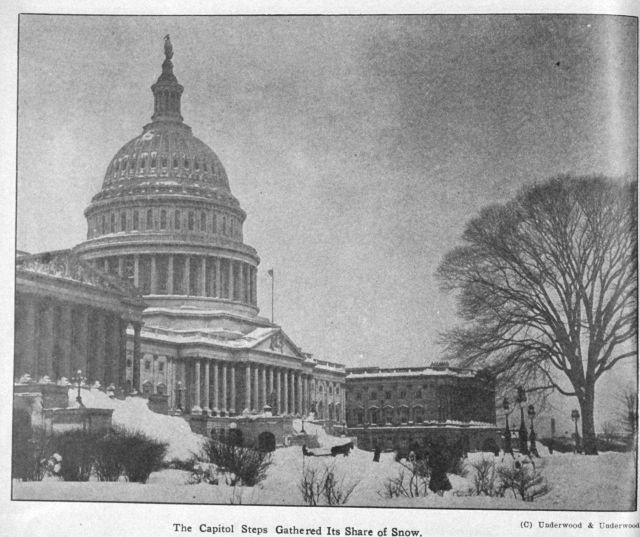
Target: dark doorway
(266, 441)
(234, 437)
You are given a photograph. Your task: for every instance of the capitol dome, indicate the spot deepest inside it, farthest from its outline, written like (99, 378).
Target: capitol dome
(166, 154)
(166, 219)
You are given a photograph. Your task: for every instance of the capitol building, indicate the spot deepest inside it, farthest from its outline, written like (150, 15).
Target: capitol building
(166, 226)
(161, 298)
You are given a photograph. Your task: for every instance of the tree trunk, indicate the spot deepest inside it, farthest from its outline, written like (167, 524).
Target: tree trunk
(588, 425)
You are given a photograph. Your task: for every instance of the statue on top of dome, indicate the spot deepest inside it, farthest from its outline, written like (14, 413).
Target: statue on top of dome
(168, 47)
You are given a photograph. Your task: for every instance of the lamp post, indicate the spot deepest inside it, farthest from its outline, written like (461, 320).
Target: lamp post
(507, 432)
(180, 396)
(531, 412)
(575, 416)
(522, 432)
(78, 379)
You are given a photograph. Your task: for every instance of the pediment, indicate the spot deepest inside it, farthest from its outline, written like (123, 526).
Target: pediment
(279, 343)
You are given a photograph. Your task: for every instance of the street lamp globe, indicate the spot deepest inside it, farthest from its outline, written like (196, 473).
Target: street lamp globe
(522, 395)
(531, 412)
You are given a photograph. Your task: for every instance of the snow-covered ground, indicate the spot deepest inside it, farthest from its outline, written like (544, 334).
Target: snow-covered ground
(603, 482)
(134, 414)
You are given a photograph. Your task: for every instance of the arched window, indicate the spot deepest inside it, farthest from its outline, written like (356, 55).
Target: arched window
(204, 165)
(214, 222)
(164, 162)
(176, 220)
(113, 223)
(186, 163)
(417, 414)
(373, 416)
(104, 224)
(163, 219)
(191, 222)
(153, 160)
(143, 162)
(175, 161)
(124, 166)
(135, 220)
(123, 221)
(196, 165)
(203, 221)
(388, 415)
(224, 225)
(149, 219)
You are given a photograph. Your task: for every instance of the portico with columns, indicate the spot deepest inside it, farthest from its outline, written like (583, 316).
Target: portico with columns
(71, 317)
(260, 372)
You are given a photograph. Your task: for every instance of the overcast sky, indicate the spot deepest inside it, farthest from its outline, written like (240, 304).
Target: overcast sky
(358, 146)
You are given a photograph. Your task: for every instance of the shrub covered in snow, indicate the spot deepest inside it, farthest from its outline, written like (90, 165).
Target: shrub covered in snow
(484, 476)
(320, 484)
(523, 480)
(140, 455)
(204, 473)
(129, 453)
(412, 480)
(29, 452)
(244, 465)
(78, 450)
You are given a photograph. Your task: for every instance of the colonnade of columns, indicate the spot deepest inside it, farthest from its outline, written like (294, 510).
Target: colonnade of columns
(55, 338)
(183, 274)
(328, 398)
(223, 388)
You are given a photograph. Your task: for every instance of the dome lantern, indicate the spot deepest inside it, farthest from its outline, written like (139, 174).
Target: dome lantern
(167, 91)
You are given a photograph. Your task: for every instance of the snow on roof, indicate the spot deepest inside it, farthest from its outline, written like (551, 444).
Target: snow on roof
(219, 336)
(422, 372)
(446, 424)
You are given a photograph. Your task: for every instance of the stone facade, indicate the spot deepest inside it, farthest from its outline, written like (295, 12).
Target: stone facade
(396, 407)
(69, 317)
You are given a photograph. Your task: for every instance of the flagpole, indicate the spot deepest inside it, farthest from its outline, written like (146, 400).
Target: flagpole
(270, 273)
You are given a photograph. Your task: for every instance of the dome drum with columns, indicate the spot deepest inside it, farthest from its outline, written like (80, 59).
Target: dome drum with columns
(166, 220)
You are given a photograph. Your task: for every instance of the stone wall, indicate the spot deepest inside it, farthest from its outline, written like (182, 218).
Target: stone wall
(401, 438)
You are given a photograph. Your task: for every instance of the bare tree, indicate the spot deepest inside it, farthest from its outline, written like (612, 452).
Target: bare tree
(546, 285)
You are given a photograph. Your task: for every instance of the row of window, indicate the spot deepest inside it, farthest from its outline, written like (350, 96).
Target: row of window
(388, 416)
(129, 165)
(330, 389)
(388, 394)
(165, 219)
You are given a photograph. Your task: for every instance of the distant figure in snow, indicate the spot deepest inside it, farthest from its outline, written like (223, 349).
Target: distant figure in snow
(376, 453)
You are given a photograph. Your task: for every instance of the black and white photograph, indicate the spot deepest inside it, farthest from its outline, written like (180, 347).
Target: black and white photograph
(325, 260)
